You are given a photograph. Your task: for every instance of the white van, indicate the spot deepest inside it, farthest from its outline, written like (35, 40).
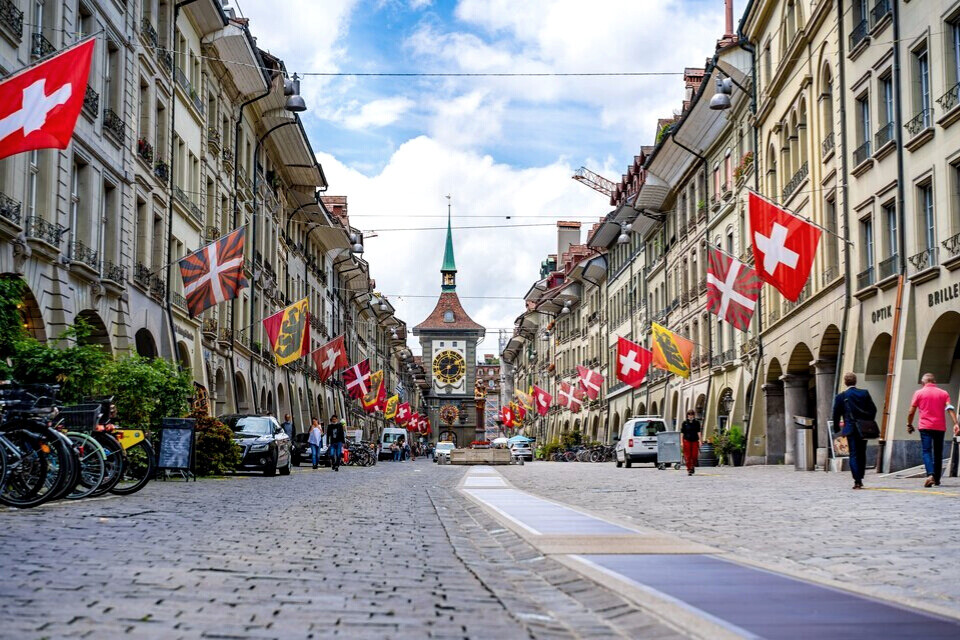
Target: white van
(638, 440)
(388, 437)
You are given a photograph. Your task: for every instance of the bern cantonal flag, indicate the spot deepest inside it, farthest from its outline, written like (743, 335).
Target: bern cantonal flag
(403, 413)
(390, 410)
(632, 362)
(541, 400)
(590, 381)
(289, 332)
(330, 358)
(357, 379)
(784, 246)
(214, 273)
(671, 352)
(371, 398)
(39, 105)
(732, 289)
(525, 398)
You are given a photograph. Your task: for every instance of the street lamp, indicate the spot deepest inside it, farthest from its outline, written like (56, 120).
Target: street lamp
(566, 307)
(721, 99)
(624, 233)
(291, 89)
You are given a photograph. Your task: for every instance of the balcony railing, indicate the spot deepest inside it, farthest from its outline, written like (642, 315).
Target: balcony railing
(158, 288)
(80, 252)
(114, 272)
(211, 233)
(213, 141)
(180, 195)
(924, 260)
(145, 150)
(865, 278)
(10, 209)
(149, 32)
(952, 244)
(209, 327)
(827, 145)
(861, 153)
(919, 122)
(166, 60)
(949, 100)
(226, 336)
(91, 102)
(113, 124)
(142, 275)
(162, 170)
(884, 135)
(879, 11)
(859, 33)
(830, 273)
(702, 285)
(887, 267)
(727, 356)
(11, 18)
(40, 47)
(795, 181)
(40, 229)
(227, 156)
(178, 299)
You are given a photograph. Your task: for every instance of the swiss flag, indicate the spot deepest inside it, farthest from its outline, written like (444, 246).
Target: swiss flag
(330, 358)
(784, 246)
(403, 414)
(632, 362)
(590, 381)
(541, 400)
(570, 397)
(506, 413)
(39, 105)
(732, 289)
(357, 379)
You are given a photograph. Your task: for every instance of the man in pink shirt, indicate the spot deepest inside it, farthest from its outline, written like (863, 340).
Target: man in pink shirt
(933, 403)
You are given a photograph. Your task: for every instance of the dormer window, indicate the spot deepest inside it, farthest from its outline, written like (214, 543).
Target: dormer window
(448, 316)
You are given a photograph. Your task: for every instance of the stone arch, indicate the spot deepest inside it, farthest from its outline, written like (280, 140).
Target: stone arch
(145, 343)
(263, 398)
(615, 426)
(674, 406)
(576, 425)
(774, 371)
(802, 131)
(641, 409)
(595, 428)
(566, 426)
(98, 330)
(220, 392)
(700, 407)
(243, 405)
(878, 358)
(653, 409)
(282, 405)
(724, 408)
(941, 353)
(269, 406)
(800, 359)
(183, 356)
(31, 318)
(829, 344)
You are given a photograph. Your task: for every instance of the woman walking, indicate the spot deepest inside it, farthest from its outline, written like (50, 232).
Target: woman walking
(315, 440)
(691, 441)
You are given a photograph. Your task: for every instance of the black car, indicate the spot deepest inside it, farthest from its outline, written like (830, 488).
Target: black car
(265, 446)
(301, 451)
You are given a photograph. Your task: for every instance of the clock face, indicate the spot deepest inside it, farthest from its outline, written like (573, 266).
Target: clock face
(449, 367)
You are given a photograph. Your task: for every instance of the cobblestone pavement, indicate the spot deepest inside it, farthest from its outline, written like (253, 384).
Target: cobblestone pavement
(895, 539)
(391, 551)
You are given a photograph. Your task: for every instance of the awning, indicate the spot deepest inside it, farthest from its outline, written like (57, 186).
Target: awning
(536, 291)
(289, 141)
(570, 292)
(655, 191)
(592, 270)
(207, 15)
(513, 349)
(235, 49)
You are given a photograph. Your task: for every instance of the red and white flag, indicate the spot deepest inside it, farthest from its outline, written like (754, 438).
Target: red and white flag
(357, 379)
(330, 358)
(403, 414)
(632, 362)
(732, 289)
(214, 273)
(541, 400)
(39, 105)
(590, 381)
(570, 397)
(784, 246)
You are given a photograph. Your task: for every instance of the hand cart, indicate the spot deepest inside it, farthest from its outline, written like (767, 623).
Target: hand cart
(669, 451)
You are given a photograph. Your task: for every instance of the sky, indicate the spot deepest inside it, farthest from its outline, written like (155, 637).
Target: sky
(503, 149)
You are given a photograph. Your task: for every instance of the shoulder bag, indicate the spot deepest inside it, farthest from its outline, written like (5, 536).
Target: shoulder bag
(868, 429)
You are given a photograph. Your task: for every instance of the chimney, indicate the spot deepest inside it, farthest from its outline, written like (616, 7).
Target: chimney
(729, 33)
(568, 233)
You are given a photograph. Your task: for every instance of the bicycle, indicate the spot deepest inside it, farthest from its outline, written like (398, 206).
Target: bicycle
(137, 454)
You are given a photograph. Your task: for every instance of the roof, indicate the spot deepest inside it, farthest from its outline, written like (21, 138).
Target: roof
(449, 301)
(449, 264)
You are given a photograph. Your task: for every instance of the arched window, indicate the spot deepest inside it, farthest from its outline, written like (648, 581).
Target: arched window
(802, 132)
(772, 172)
(826, 102)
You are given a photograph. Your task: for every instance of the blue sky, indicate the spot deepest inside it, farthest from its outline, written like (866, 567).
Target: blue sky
(499, 146)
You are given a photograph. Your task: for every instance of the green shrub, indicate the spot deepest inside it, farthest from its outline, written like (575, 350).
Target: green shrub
(145, 390)
(570, 439)
(550, 448)
(67, 361)
(216, 452)
(737, 438)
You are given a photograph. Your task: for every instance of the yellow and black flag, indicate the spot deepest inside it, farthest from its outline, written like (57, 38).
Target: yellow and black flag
(670, 351)
(289, 332)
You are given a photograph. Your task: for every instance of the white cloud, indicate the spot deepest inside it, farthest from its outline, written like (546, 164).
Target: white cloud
(467, 120)
(379, 113)
(420, 4)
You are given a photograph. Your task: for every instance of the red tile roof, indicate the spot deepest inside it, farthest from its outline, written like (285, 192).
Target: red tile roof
(449, 302)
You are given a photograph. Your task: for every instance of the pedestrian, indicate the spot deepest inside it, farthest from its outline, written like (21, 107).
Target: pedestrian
(288, 426)
(336, 436)
(395, 448)
(853, 405)
(315, 440)
(933, 403)
(690, 429)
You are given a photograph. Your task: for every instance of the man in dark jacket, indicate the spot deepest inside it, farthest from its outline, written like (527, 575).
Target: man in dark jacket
(691, 441)
(336, 436)
(854, 404)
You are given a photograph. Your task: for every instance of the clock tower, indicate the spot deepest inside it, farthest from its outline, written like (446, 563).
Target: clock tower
(448, 339)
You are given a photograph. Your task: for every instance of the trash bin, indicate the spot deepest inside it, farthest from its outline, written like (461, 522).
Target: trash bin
(804, 452)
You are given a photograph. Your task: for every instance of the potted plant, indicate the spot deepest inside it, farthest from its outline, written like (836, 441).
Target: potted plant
(736, 445)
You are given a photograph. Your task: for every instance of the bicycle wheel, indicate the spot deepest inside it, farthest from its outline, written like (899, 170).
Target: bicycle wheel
(138, 469)
(114, 462)
(93, 466)
(28, 466)
(71, 460)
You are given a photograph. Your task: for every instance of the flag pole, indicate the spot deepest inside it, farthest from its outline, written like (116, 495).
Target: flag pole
(806, 220)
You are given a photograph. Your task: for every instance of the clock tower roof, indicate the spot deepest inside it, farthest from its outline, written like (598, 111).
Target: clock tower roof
(448, 315)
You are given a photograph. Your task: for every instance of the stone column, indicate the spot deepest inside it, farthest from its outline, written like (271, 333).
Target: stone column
(773, 408)
(825, 372)
(794, 404)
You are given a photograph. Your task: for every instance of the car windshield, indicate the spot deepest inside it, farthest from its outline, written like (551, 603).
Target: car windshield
(445, 446)
(646, 428)
(259, 426)
(391, 437)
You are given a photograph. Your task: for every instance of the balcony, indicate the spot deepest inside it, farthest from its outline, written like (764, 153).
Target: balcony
(726, 357)
(9, 209)
(178, 299)
(702, 286)
(924, 260)
(113, 124)
(859, 33)
(114, 272)
(40, 229)
(861, 154)
(188, 89)
(148, 32)
(879, 11)
(162, 170)
(145, 151)
(83, 254)
(11, 19)
(865, 278)
(226, 337)
(227, 156)
(827, 146)
(158, 288)
(91, 103)
(213, 141)
(887, 267)
(211, 233)
(166, 60)
(919, 122)
(949, 100)
(952, 244)
(40, 47)
(142, 275)
(209, 328)
(796, 180)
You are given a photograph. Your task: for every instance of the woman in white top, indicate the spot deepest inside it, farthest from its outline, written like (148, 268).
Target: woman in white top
(315, 440)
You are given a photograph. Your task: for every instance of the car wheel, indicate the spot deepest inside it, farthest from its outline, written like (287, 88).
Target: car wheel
(619, 464)
(285, 471)
(271, 469)
(626, 461)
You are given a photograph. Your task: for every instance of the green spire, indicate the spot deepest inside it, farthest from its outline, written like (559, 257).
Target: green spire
(449, 268)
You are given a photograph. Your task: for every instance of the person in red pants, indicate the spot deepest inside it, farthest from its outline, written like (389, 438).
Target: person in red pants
(690, 429)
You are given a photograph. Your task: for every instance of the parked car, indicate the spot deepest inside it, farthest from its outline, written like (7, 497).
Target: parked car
(443, 450)
(638, 440)
(301, 451)
(522, 450)
(265, 446)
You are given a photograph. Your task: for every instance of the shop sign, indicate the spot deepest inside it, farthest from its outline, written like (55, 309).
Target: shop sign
(944, 294)
(883, 313)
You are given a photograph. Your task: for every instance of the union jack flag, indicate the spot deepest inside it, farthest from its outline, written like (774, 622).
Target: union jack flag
(214, 273)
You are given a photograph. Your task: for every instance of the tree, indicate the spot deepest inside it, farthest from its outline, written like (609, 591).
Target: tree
(145, 390)
(11, 323)
(68, 362)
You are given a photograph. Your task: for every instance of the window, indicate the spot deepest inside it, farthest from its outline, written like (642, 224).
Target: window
(921, 91)
(831, 244)
(955, 195)
(863, 119)
(33, 181)
(886, 97)
(866, 237)
(74, 199)
(728, 172)
(890, 222)
(927, 221)
(716, 180)
(953, 56)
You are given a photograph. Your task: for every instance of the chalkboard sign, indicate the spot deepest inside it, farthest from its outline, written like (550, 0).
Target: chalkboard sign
(176, 443)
